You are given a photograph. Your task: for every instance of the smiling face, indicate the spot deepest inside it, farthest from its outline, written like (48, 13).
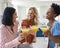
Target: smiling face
(31, 14)
(50, 13)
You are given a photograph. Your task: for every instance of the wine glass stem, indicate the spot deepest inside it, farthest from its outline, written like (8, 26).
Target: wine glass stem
(25, 37)
(44, 36)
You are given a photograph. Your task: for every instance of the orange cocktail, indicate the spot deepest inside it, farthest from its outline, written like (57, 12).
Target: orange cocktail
(26, 30)
(44, 29)
(35, 28)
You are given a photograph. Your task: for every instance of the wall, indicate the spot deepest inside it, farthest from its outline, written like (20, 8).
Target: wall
(3, 4)
(22, 13)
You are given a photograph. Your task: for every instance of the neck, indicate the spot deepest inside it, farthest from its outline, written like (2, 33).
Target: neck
(51, 21)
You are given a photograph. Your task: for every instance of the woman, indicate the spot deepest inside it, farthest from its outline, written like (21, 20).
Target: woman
(32, 18)
(8, 29)
(54, 32)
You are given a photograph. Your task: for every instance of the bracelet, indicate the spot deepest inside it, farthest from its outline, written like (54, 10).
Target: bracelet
(20, 41)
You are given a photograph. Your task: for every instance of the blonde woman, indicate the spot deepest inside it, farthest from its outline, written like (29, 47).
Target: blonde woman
(32, 19)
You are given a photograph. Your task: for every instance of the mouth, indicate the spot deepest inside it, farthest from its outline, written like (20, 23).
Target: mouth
(47, 16)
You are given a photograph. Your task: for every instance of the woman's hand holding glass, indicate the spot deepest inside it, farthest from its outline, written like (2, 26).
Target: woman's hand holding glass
(26, 37)
(33, 31)
(21, 38)
(45, 30)
(29, 33)
(34, 28)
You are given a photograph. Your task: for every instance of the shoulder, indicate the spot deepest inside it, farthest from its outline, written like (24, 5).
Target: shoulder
(2, 29)
(56, 28)
(25, 21)
(2, 26)
(57, 23)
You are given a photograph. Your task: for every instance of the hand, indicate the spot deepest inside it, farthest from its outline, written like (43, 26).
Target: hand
(47, 32)
(21, 38)
(30, 38)
(32, 32)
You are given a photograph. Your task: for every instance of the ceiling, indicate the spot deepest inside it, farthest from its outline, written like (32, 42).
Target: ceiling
(36, 3)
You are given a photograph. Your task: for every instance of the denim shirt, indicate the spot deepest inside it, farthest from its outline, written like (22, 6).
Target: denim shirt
(55, 31)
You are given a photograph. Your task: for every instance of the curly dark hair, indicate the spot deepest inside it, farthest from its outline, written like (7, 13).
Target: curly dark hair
(7, 18)
(56, 8)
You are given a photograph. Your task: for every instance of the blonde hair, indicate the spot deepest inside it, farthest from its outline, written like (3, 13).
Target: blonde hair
(35, 14)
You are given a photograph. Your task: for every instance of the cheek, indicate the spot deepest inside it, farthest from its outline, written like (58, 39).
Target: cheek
(48, 15)
(14, 18)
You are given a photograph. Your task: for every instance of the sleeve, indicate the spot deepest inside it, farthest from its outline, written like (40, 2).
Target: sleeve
(25, 23)
(4, 43)
(12, 43)
(56, 29)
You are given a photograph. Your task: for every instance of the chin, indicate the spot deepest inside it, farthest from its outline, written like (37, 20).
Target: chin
(47, 17)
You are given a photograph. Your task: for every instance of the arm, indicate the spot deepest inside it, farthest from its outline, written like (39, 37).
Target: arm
(56, 33)
(25, 23)
(5, 44)
(12, 43)
(56, 39)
